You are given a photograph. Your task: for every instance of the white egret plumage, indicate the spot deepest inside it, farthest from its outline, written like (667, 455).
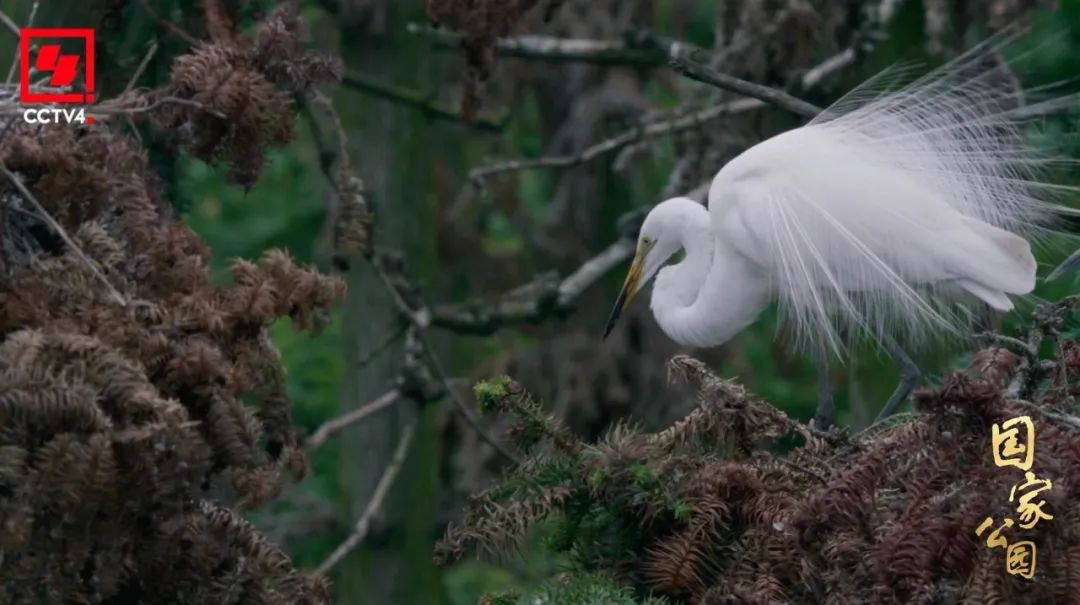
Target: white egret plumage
(888, 216)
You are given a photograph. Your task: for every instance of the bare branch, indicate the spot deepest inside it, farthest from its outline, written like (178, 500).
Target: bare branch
(815, 75)
(684, 60)
(1009, 342)
(16, 58)
(547, 297)
(324, 103)
(1072, 422)
(62, 233)
(676, 124)
(642, 48)
(142, 66)
(332, 427)
(622, 140)
(391, 337)
(9, 23)
(420, 321)
(595, 268)
(167, 25)
(363, 524)
(557, 50)
(419, 100)
(124, 106)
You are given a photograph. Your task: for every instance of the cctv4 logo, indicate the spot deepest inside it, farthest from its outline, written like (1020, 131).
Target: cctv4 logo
(42, 56)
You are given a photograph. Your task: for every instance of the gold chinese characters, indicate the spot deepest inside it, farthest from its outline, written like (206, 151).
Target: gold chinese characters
(1013, 444)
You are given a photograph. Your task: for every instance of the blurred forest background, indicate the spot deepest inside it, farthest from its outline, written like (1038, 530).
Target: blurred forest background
(625, 132)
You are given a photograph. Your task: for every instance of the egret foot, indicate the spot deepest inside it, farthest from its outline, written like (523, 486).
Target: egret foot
(909, 378)
(826, 409)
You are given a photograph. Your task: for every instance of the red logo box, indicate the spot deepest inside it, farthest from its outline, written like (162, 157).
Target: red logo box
(50, 59)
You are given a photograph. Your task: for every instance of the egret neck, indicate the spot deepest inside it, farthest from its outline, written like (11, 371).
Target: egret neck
(712, 294)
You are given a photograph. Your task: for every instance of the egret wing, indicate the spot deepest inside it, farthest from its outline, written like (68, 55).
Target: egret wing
(853, 244)
(895, 197)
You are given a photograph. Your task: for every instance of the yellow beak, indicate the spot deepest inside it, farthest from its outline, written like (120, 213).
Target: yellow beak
(630, 287)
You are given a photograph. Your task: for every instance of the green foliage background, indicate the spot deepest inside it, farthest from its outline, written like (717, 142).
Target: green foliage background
(287, 208)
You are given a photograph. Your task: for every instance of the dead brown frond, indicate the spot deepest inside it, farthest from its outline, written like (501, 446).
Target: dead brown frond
(239, 93)
(128, 381)
(481, 23)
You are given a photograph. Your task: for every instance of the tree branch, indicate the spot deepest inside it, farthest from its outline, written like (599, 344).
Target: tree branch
(555, 50)
(421, 320)
(622, 140)
(363, 524)
(418, 100)
(639, 48)
(544, 298)
(9, 23)
(810, 79)
(334, 426)
(684, 60)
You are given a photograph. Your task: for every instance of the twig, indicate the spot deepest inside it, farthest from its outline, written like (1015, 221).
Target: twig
(1072, 422)
(9, 24)
(550, 297)
(142, 66)
(802, 469)
(332, 427)
(815, 75)
(15, 59)
(557, 50)
(363, 524)
(683, 60)
(382, 345)
(642, 48)
(419, 100)
(440, 373)
(1046, 323)
(420, 321)
(810, 79)
(167, 25)
(593, 269)
(1010, 342)
(62, 233)
(322, 101)
(106, 109)
(623, 139)
(33, 12)
(326, 155)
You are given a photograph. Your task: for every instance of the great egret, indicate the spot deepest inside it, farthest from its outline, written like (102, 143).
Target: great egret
(887, 216)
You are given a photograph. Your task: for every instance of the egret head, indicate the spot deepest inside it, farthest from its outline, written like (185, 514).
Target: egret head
(660, 238)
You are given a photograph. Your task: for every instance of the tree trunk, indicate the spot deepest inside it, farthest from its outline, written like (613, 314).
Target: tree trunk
(391, 147)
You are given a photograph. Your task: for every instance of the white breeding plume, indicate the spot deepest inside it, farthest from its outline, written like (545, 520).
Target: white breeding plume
(889, 216)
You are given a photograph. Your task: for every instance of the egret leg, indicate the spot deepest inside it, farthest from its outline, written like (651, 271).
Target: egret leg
(826, 409)
(909, 378)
